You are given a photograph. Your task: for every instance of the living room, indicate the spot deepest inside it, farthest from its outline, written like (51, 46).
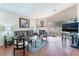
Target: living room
(34, 21)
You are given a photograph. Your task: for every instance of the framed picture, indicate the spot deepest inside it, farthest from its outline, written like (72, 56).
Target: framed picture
(24, 23)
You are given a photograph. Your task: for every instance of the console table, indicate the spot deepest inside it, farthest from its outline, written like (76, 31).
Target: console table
(72, 35)
(7, 41)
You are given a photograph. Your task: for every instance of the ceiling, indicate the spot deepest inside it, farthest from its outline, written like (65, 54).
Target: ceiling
(35, 10)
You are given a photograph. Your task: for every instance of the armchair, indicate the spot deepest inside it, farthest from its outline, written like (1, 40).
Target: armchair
(42, 34)
(19, 44)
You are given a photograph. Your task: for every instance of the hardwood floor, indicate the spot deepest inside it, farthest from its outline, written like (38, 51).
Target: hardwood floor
(54, 48)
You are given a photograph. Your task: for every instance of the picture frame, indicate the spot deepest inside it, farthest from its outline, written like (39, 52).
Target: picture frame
(24, 23)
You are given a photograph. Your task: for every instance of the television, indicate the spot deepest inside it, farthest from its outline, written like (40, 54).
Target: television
(70, 27)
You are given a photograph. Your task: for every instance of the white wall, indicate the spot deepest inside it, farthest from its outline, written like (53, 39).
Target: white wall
(64, 15)
(78, 12)
(11, 19)
(78, 15)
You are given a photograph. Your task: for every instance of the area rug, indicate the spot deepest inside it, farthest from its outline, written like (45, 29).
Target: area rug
(39, 45)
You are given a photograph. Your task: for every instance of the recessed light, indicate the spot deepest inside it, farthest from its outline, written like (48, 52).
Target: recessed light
(55, 9)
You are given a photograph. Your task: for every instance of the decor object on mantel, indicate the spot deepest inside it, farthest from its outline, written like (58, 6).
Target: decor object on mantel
(24, 23)
(41, 23)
